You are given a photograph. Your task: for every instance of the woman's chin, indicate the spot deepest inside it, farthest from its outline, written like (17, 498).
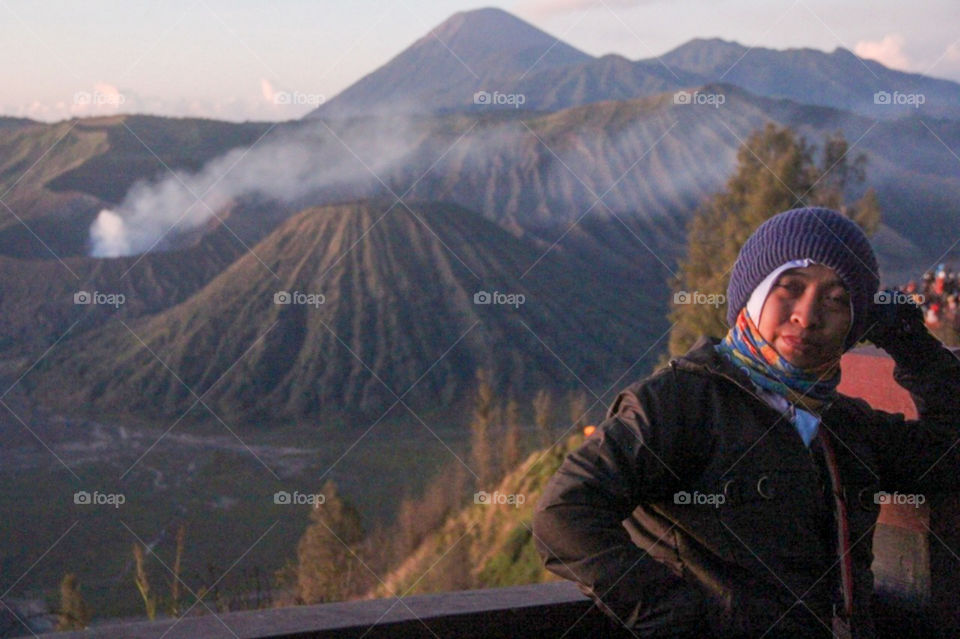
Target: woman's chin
(802, 357)
(809, 359)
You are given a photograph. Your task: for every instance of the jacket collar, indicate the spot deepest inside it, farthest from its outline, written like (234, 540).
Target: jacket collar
(703, 358)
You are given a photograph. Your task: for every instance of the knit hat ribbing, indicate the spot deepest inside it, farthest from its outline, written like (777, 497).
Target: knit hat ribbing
(820, 234)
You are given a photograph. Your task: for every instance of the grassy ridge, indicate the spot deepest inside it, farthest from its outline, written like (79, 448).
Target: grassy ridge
(484, 545)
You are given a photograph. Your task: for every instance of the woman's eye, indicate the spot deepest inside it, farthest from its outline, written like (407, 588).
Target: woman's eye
(841, 301)
(793, 287)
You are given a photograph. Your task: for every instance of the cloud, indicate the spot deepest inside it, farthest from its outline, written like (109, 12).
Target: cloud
(288, 104)
(888, 51)
(950, 59)
(269, 93)
(265, 102)
(945, 65)
(103, 99)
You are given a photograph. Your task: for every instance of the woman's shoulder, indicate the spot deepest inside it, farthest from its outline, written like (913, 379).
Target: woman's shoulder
(699, 363)
(674, 388)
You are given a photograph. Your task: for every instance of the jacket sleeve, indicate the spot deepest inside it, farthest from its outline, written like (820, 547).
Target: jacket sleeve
(634, 455)
(922, 454)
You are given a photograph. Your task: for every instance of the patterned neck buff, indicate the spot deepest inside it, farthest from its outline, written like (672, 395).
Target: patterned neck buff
(809, 388)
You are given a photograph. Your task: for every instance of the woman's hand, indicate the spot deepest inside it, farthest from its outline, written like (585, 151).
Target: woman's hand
(894, 320)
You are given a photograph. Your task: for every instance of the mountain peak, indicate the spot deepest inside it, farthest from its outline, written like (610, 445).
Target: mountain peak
(480, 33)
(468, 52)
(478, 20)
(700, 53)
(714, 45)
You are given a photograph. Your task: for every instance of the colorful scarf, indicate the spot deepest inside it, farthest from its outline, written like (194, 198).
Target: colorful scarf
(807, 387)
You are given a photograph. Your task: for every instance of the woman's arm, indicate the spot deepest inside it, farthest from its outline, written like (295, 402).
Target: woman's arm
(645, 451)
(922, 454)
(635, 453)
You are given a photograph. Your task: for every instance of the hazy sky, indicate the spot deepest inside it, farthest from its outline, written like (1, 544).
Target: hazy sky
(227, 59)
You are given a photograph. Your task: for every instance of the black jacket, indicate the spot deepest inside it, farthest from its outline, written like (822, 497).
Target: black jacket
(696, 510)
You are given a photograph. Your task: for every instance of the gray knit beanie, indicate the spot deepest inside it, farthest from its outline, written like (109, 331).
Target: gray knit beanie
(824, 236)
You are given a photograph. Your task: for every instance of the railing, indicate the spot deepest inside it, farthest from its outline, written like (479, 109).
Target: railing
(543, 611)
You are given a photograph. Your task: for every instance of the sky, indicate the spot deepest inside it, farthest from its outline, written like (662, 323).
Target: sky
(256, 60)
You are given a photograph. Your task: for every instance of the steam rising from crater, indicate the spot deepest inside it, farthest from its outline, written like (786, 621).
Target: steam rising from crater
(486, 166)
(283, 166)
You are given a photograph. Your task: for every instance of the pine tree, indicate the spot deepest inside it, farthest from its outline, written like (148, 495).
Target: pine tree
(511, 437)
(408, 530)
(578, 410)
(175, 579)
(775, 172)
(328, 564)
(837, 176)
(484, 416)
(143, 583)
(74, 613)
(543, 417)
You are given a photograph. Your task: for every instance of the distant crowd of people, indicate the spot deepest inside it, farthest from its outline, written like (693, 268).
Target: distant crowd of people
(938, 293)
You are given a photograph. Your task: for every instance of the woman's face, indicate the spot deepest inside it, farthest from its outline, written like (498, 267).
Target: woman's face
(806, 315)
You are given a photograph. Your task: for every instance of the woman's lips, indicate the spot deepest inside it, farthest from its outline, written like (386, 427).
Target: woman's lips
(797, 344)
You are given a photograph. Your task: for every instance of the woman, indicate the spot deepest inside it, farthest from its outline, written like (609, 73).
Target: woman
(734, 493)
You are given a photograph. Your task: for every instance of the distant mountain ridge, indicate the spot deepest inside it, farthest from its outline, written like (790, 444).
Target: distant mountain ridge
(839, 79)
(652, 160)
(429, 77)
(10, 123)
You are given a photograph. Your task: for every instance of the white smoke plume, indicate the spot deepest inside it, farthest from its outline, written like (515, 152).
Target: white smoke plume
(474, 165)
(285, 166)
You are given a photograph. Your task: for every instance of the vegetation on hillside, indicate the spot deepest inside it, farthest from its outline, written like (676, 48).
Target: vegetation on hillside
(469, 528)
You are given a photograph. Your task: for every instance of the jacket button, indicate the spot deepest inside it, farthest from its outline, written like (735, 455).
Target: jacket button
(728, 490)
(763, 487)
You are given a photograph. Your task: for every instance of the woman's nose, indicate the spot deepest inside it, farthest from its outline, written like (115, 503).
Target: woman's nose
(806, 311)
